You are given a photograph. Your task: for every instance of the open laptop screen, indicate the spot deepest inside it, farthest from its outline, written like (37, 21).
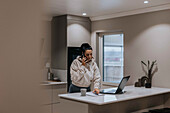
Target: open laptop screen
(122, 84)
(119, 89)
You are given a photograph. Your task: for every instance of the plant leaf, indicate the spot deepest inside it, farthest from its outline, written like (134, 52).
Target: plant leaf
(143, 63)
(148, 68)
(148, 64)
(152, 65)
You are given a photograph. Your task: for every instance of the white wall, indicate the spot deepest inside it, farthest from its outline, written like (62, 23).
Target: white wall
(146, 37)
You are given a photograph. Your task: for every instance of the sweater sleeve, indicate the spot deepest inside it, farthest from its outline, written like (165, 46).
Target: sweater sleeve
(97, 78)
(76, 72)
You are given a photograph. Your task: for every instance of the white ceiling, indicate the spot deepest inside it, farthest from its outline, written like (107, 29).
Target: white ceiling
(103, 9)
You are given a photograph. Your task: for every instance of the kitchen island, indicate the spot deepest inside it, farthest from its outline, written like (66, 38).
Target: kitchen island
(134, 99)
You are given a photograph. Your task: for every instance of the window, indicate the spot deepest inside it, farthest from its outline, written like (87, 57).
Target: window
(112, 58)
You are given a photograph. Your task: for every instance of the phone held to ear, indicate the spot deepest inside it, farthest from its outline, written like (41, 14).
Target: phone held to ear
(83, 55)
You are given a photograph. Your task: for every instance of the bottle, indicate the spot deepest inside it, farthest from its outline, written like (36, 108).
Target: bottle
(48, 74)
(52, 76)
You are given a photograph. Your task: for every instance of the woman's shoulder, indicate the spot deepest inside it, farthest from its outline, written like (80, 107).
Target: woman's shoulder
(93, 62)
(77, 60)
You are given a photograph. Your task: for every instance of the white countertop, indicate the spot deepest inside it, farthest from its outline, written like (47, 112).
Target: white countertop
(53, 83)
(131, 93)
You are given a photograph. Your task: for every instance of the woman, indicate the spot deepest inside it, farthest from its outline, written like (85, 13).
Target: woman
(84, 71)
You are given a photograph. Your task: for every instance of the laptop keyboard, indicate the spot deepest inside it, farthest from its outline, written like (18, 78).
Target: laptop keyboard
(112, 91)
(109, 91)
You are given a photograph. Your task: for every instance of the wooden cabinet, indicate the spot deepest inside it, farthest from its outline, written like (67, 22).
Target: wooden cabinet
(47, 94)
(66, 106)
(51, 98)
(46, 108)
(58, 89)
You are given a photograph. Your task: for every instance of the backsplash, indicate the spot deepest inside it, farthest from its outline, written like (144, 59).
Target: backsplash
(61, 74)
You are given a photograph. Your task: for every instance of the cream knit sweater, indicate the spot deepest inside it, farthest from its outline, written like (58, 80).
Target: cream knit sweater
(82, 76)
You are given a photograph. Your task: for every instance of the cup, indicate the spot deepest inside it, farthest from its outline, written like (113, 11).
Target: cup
(83, 92)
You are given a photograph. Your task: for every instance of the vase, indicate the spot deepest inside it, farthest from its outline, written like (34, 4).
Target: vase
(148, 84)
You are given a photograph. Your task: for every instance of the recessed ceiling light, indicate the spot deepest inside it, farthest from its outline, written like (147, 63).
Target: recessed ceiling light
(146, 2)
(84, 14)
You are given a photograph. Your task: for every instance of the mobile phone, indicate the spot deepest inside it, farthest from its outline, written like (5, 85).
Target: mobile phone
(83, 55)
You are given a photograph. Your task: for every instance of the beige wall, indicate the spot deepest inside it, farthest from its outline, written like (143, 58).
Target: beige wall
(20, 61)
(78, 31)
(146, 37)
(45, 51)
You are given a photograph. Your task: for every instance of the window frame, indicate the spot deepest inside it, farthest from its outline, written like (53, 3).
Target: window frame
(101, 57)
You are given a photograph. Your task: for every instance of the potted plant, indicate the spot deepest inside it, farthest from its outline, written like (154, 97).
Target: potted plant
(149, 71)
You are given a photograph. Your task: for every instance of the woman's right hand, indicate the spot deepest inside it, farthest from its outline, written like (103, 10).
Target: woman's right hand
(84, 61)
(96, 90)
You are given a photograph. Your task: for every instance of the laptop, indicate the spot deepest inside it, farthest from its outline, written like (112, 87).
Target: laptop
(119, 89)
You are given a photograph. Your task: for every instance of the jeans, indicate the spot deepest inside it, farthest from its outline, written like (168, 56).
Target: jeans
(73, 88)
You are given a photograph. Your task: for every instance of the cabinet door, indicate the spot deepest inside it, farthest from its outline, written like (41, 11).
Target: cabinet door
(46, 108)
(78, 32)
(66, 106)
(58, 89)
(47, 95)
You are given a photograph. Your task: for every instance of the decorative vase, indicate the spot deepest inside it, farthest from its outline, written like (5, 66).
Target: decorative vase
(148, 85)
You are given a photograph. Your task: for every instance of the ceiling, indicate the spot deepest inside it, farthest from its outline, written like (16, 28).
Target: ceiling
(103, 9)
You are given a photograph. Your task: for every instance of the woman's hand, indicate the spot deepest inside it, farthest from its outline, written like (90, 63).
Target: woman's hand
(96, 90)
(84, 61)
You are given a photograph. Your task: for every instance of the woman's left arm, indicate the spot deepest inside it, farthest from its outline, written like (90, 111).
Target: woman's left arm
(97, 77)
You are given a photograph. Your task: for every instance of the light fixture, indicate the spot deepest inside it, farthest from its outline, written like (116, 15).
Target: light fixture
(146, 2)
(84, 14)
